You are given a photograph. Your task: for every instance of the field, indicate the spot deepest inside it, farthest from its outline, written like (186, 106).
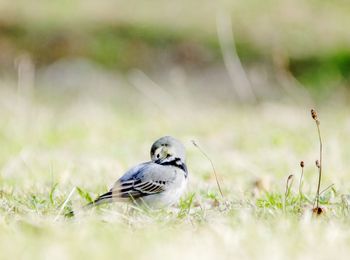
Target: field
(86, 87)
(53, 141)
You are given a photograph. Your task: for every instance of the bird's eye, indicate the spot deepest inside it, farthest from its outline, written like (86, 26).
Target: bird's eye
(158, 156)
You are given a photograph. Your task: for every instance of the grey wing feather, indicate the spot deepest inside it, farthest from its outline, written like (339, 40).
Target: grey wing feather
(142, 180)
(145, 179)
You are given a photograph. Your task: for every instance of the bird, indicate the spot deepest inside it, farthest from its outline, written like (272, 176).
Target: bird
(157, 183)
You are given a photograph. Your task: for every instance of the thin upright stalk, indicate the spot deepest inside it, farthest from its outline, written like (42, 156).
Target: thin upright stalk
(289, 184)
(301, 182)
(318, 162)
(320, 165)
(212, 165)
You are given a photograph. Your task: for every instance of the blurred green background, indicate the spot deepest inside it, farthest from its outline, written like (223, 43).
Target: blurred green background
(293, 42)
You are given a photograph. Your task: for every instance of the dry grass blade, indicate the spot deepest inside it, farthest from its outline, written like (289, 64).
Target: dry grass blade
(324, 190)
(65, 203)
(212, 165)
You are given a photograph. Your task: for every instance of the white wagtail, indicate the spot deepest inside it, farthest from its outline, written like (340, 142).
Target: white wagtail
(157, 183)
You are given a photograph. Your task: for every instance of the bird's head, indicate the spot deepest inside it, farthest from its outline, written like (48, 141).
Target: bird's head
(167, 147)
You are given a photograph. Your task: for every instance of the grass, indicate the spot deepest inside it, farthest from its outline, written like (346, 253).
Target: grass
(54, 141)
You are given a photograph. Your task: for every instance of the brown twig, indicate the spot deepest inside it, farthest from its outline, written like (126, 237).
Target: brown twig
(212, 165)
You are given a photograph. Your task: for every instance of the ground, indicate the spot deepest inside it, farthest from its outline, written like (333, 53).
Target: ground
(52, 141)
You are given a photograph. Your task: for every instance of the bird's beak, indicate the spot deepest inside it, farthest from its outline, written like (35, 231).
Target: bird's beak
(161, 153)
(167, 151)
(164, 152)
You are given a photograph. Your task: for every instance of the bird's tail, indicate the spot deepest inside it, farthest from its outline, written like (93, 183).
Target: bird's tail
(104, 198)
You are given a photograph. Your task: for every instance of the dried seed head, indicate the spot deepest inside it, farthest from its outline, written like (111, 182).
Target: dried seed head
(317, 162)
(302, 164)
(314, 114)
(289, 184)
(289, 181)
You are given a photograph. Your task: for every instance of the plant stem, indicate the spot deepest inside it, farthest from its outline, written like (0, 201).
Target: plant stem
(300, 185)
(289, 184)
(212, 165)
(320, 166)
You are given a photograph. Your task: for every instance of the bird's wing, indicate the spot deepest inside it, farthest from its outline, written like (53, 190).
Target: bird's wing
(142, 180)
(138, 188)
